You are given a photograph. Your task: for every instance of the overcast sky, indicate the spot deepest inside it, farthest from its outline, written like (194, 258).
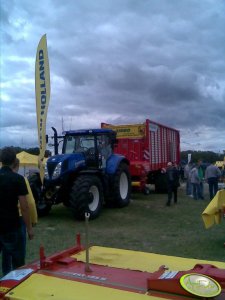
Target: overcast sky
(116, 61)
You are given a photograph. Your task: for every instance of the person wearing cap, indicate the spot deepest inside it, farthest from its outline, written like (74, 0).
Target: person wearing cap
(172, 183)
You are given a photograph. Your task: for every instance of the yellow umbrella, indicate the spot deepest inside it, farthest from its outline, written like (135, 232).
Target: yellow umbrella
(27, 159)
(213, 212)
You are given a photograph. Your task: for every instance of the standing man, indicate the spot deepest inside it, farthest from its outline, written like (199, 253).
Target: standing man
(201, 179)
(187, 170)
(173, 183)
(12, 189)
(195, 181)
(212, 174)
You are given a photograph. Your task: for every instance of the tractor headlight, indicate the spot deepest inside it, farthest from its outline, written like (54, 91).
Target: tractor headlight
(46, 172)
(57, 171)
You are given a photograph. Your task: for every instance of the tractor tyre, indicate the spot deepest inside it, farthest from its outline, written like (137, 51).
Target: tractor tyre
(86, 197)
(121, 187)
(42, 207)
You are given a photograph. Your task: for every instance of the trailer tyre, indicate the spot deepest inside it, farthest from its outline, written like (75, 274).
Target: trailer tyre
(86, 197)
(146, 191)
(42, 207)
(161, 183)
(121, 187)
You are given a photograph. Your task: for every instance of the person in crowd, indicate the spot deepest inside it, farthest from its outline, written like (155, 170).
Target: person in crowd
(187, 170)
(104, 148)
(173, 183)
(31, 204)
(212, 175)
(6, 257)
(201, 180)
(223, 170)
(195, 181)
(182, 172)
(12, 190)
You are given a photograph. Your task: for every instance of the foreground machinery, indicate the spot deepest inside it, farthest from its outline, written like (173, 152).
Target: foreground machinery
(149, 146)
(85, 176)
(114, 274)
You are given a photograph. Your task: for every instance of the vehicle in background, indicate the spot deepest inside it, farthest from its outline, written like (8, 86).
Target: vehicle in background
(148, 146)
(85, 176)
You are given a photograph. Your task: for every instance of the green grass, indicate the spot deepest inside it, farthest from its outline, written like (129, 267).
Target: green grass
(145, 225)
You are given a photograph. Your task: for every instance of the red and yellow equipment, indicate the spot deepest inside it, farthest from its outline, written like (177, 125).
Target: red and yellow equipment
(114, 274)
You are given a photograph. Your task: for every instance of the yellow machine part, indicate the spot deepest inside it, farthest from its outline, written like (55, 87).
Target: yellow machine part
(141, 261)
(136, 183)
(43, 287)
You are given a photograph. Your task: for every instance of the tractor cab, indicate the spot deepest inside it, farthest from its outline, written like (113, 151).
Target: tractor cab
(95, 144)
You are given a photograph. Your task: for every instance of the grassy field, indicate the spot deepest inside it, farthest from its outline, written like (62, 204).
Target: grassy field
(145, 225)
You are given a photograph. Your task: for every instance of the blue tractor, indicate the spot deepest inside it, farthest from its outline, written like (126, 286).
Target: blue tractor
(86, 176)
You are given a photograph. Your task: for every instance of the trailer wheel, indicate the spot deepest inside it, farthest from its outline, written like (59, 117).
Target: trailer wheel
(86, 197)
(42, 207)
(161, 183)
(121, 187)
(146, 191)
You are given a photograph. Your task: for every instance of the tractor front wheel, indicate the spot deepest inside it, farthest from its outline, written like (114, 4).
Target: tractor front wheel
(86, 197)
(121, 187)
(43, 208)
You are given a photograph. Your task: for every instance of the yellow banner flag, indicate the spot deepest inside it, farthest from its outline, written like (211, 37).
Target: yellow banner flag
(42, 90)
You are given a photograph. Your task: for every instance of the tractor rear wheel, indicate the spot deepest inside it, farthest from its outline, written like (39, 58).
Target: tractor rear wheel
(86, 197)
(121, 188)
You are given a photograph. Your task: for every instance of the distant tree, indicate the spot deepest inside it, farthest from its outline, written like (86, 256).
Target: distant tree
(18, 149)
(205, 156)
(34, 151)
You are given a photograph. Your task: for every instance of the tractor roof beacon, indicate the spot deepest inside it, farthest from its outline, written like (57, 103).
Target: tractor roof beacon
(85, 176)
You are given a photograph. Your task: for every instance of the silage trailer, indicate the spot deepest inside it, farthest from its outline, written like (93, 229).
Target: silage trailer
(148, 146)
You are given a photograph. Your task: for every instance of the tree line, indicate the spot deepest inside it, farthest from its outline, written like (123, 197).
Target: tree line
(34, 151)
(205, 156)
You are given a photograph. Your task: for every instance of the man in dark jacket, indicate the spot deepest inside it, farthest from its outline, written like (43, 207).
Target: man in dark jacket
(172, 174)
(12, 190)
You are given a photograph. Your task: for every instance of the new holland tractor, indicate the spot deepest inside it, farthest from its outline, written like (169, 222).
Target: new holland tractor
(85, 176)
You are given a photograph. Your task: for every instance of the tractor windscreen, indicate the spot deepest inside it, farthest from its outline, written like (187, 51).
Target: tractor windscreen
(79, 143)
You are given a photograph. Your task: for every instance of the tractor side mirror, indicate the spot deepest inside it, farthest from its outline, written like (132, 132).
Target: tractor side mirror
(46, 138)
